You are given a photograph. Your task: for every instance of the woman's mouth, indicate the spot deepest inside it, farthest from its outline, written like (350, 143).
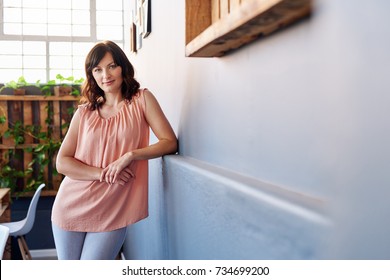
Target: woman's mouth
(108, 83)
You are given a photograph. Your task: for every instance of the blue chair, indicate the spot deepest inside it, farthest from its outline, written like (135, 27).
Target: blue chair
(4, 233)
(20, 228)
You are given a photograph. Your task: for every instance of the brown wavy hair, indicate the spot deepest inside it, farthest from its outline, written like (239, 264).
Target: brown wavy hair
(92, 94)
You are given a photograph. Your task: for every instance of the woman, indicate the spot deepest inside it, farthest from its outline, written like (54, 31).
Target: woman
(104, 158)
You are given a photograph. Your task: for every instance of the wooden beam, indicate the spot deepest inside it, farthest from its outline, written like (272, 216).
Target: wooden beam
(198, 18)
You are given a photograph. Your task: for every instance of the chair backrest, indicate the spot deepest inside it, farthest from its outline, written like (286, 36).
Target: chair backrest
(4, 233)
(30, 218)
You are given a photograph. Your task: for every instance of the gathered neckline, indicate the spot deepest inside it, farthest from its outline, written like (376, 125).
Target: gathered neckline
(113, 116)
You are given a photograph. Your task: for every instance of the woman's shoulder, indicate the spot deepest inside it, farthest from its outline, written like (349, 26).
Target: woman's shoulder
(83, 108)
(140, 96)
(142, 92)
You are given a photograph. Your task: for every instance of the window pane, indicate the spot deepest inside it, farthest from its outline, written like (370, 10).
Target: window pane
(78, 73)
(59, 30)
(12, 3)
(78, 62)
(60, 48)
(82, 49)
(10, 61)
(7, 75)
(34, 61)
(109, 32)
(35, 4)
(34, 15)
(34, 29)
(109, 18)
(13, 28)
(59, 16)
(60, 62)
(80, 17)
(31, 47)
(80, 4)
(12, 15)
(81, 30)
(59, 4)
(33, 75)
(10, 47)
(109, 5)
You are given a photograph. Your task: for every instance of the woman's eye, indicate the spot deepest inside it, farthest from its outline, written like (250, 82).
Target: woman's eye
(113, 66)
(96, 70)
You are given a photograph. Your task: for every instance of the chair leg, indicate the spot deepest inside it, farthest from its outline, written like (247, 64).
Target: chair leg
(24, 248)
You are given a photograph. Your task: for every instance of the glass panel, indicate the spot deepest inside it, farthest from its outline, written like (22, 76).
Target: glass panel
(81, 30)
(34, 61)
(60, 48)
(80, 4)
(13, 28)
(78, 74)
(12, 15)
(10, 47)
(12, 3)
(80, 17)
(59, 16)
(34, 29)
(59, 4)
(7, 75)
(109, 18)
(60, 62)
(31, 47)
(10, 61)
(33, 75)
(109, 5)
(59, 30)
(109, 32)
(78, 62)
(35, 4)
(34, 15)
(82, 49)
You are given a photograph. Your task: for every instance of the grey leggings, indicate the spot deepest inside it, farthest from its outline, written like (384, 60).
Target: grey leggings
(73, 245)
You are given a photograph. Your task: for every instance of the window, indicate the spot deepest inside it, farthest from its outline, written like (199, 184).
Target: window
(41, 38)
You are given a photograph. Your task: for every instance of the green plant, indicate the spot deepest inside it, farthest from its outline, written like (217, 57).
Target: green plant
(42, 156)
(20, 82)
(41, 168)
(60, 80)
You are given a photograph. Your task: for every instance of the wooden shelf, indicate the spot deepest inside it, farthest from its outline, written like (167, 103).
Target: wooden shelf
(37, 98)
(208, 35)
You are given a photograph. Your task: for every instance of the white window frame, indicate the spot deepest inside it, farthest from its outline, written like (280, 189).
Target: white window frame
(49, 39)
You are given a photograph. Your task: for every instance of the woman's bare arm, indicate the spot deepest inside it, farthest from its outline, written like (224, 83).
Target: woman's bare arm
(167, 141)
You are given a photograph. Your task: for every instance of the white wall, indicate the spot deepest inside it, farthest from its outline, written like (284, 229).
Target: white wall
(284, 141)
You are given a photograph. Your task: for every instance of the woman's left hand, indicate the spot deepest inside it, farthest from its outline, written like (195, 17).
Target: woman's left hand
(118, 171)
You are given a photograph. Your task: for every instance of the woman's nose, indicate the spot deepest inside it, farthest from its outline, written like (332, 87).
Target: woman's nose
(106, 73)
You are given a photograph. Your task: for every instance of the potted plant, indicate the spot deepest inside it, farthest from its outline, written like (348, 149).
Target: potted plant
(16, 86)
(65, 85)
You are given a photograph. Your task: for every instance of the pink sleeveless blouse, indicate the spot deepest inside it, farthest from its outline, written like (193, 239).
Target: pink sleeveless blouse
(93, 206)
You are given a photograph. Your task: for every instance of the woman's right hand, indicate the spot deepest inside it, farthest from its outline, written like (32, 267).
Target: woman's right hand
(122, 178)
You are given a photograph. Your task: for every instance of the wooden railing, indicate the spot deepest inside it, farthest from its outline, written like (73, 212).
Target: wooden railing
(34, 110)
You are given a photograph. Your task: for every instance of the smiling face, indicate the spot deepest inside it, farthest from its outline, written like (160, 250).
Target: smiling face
(108, 75)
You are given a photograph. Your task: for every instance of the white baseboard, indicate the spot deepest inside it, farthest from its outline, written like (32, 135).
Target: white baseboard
(49, 254)
(45, 254)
